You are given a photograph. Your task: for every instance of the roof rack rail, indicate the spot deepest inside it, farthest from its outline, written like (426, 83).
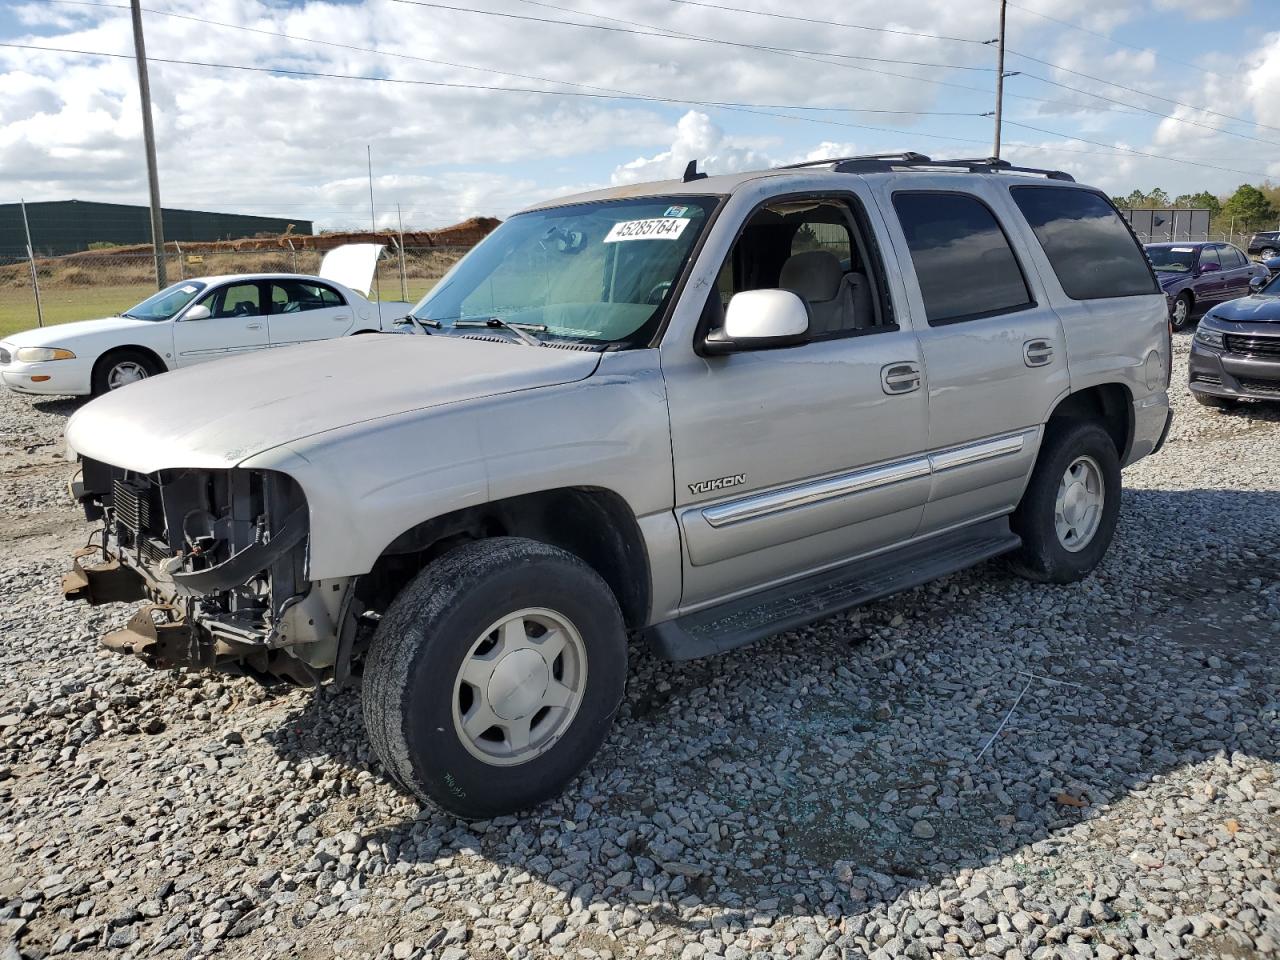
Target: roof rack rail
(903, 157)
(886, 162)
(983, 165)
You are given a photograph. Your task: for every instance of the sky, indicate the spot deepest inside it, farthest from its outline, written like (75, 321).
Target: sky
(443, 96)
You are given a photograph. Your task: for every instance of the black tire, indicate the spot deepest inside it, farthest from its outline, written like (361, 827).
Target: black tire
(411, 676)
(1218, 403)
(114, 360)
(1042, 556)
(1185, 302)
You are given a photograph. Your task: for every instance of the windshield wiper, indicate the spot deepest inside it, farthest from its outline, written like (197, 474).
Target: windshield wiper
(517, 328)
(423, 322)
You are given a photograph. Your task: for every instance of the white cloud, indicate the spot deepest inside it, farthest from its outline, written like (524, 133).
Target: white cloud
(1204, 9)
(271, 143)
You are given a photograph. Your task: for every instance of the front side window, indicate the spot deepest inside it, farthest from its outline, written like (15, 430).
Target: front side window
(962, 258)
(1209, 256)
(296, 296)
(1091, 250)
(166, 303)
(234, 300)
(807, 245)
(593, 272)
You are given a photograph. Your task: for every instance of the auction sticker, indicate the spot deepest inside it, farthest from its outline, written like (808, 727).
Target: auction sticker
(663, 228)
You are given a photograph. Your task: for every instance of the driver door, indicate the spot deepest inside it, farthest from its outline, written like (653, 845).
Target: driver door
(236, 324)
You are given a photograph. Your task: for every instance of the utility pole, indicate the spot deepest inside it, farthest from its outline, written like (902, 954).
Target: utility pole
(149, 135)
(31, 259)
(995, 150)
(373, 222)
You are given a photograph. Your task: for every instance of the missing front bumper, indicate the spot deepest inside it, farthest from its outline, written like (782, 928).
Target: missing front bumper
(106, 581)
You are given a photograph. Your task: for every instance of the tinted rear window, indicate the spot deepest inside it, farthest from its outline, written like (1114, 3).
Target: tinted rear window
(963, 261)
(1090, 248)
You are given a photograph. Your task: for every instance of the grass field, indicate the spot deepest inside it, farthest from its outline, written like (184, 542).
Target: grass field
(18, 307)
(61, 305)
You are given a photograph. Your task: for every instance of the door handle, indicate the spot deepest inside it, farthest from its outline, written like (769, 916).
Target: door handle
(903, 377)
(345, 318)
(253, 326)
(1037, 353)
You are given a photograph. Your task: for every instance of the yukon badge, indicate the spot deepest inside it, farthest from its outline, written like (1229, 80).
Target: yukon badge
(720, 483)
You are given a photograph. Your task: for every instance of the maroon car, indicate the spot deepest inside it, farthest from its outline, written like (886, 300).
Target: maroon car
(1195, 276)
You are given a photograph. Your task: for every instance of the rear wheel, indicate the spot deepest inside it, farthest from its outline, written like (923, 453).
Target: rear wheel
(119, 368)
(1268, 253)
(494, 677)
(1068, 513)
(1181, 314)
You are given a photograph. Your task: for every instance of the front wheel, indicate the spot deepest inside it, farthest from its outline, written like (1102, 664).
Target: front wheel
(119, 368)
(494, 676)
(1068, 513)
(1181, 314)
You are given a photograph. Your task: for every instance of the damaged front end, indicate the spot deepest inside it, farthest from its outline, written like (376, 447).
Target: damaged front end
(220, 556)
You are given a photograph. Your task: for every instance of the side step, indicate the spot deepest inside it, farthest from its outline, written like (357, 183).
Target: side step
(747, 619)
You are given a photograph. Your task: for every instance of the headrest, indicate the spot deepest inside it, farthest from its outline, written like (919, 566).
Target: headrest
(814, 275)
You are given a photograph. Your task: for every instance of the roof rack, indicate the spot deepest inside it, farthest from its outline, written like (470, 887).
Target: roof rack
(887, 162)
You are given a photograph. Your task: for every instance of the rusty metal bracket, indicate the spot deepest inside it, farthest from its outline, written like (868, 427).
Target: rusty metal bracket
(165, 642)
(108, 581)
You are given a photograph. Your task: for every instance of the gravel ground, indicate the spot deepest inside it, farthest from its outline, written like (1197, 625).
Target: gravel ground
(980, 767)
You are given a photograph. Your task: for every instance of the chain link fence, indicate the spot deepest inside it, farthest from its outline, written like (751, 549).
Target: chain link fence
(84, 286)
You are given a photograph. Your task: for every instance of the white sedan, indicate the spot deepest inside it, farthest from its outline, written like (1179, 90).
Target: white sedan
(201, 319)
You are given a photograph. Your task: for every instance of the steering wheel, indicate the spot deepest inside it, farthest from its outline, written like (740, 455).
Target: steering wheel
(658, 292)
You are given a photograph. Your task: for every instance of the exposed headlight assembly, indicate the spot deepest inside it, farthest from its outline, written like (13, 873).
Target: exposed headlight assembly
(1208, 336)
(38, 354)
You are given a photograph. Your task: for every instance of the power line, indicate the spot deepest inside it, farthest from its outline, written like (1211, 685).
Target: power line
(1120, 43)
(522, 76)
(1139, 153)
(746, 108)
(670, 34)
(827, 23)
(1147, 110)
(665, 33)
(782, 16)
(1140, 92)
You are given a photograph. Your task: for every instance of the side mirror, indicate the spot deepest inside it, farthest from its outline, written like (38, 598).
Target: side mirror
(1256, 283)
(760, 320)
(1210, 267)
(198, 312)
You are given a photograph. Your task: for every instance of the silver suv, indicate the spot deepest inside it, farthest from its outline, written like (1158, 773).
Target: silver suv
(699, 412)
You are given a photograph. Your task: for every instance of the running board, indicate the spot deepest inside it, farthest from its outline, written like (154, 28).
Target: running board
(758, 615)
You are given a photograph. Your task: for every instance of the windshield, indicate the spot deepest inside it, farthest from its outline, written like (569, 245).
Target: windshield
(163, 305)
(595, 272)
(1272, 286)
(1172, 259)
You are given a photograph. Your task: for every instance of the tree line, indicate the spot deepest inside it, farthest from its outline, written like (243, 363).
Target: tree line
(1249, 208)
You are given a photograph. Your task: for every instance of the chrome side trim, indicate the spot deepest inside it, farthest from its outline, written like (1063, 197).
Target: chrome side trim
(974, 452)
(815, 492)
(859, 481)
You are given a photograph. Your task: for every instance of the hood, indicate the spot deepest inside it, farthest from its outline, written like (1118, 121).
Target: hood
(64, 334)
(1257, 308)
(351, 265)
(225, 411)
(1168, 279)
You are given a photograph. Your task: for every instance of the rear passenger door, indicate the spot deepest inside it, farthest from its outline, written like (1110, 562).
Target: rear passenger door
(1237, 271)
(303, 310)
(994, 351)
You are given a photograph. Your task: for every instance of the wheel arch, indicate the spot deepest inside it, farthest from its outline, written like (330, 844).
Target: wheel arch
(593, 523)
(130, 347)
(1110, 404)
